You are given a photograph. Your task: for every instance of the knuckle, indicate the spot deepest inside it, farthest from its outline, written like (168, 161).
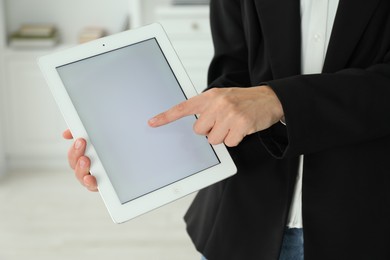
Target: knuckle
(176, 111)
(213, 91)
(228, 104)
(82, 166)
(162, 117)
(72, 158)
(198, 129)
(211, 140)
(231, 143)
(216, 137)
(173, 113)
(75, 152)
(180, 107)
(233, 139)
(243, 121)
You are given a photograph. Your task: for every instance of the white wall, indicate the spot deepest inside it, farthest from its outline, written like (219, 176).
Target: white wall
(2, 156)
(2, 43)
(2, 34)
(2, 150)
(142, 11)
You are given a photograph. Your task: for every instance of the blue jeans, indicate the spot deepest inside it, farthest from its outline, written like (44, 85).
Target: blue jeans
(292, 246)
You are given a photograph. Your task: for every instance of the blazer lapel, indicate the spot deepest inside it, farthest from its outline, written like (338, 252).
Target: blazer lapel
(280, 22)
(351, 19)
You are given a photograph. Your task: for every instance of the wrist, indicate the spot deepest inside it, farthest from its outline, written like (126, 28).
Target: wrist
(276, 107)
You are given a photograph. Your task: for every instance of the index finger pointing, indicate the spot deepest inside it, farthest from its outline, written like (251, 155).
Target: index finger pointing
(182, 109)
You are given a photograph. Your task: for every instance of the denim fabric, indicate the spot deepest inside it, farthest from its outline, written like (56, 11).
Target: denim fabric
(292, 246)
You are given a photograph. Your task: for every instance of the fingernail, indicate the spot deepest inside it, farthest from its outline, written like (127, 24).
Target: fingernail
(82, 163)
(153, 121)
(87, 184)
(78, 144)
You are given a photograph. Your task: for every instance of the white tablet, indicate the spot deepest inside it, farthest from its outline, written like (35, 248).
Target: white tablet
(107, 90)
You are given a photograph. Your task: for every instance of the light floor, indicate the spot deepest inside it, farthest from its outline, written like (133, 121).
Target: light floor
(49, 216)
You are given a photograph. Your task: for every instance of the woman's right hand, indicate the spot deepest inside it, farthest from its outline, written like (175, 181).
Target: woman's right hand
(79, 162)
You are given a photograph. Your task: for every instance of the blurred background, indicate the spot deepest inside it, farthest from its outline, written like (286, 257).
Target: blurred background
(44, 211)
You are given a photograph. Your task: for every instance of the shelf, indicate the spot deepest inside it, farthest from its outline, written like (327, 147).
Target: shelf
(70, 17)
(7, 51)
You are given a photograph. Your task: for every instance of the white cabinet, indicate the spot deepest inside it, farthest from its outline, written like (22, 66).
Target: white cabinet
(33, 122)
(189, 31)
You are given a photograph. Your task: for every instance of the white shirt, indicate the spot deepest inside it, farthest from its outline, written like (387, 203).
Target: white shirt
(317, 18)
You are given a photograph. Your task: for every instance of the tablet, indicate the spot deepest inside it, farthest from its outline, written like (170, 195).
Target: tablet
(107, 90)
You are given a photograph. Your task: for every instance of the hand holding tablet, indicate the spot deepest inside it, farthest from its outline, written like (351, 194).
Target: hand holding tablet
(107, 90)
(80, 163)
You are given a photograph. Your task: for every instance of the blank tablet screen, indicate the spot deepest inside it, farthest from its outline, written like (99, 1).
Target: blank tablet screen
(115, 94)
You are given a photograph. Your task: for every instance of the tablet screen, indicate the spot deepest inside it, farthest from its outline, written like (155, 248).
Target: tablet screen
(115, 94)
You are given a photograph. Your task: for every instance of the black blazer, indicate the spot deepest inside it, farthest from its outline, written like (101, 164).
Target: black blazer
(340, 121)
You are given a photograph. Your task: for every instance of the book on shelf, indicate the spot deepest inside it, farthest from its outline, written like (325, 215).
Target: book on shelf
(91, 33)
(34, 36)
(44, 30)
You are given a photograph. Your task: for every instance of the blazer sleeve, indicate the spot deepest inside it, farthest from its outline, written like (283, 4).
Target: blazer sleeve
(229, 67)
(332, 109)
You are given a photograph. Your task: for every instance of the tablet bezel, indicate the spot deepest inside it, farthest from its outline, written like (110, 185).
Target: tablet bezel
(123, 212)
